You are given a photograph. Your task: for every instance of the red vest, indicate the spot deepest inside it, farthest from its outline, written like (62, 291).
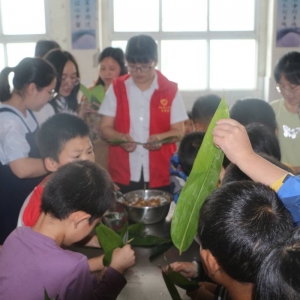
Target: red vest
(160, 117)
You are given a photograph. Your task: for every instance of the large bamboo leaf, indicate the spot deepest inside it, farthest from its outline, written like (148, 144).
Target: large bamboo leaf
(202, 180)
(181, 281)
(170, 286)
(109, 241)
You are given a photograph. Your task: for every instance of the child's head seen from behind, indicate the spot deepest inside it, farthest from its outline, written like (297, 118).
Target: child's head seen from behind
(239, 224)
(81, 188)
(203, 110)
(64, 138)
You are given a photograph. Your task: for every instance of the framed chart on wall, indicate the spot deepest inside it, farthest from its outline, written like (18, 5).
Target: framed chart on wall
(288, 23)
(83, 24)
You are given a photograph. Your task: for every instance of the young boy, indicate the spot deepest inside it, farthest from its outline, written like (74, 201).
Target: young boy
(239, 225)
(61, 139)
(31, 260)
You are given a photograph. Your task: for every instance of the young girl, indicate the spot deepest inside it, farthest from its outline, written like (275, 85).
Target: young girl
(67, 85)
(142, 107)
(20, 166)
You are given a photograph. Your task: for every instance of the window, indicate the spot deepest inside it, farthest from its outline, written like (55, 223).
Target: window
(22, 24)
(203, 44)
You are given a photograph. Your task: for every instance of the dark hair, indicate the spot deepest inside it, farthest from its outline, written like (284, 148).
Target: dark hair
(188, 150)
(189, 113)
(289, 67)
(279, 275)
(251, 110)
(58, 59)
(29, 70)
(240, 223)
(233, 173)
(42, 47)
(118, 55)
(263, 140)
(205, 107)
(57, 131)
(78, 186)
(141, 49)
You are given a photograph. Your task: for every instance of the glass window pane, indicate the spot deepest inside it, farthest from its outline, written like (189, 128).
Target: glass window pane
(231, 15)
(136, 15)
(188, 15)
(17, 51)
(23, 17)
(232, 64)
(119, 44)
(185, 63)
(2, 63)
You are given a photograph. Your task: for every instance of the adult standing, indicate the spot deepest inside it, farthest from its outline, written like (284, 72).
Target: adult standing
(287, 110)
(20, 166)
(142, 106)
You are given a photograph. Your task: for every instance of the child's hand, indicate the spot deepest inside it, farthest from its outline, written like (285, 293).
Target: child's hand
(129, 147)
(231, 137)
(186, 269)
(122, 259)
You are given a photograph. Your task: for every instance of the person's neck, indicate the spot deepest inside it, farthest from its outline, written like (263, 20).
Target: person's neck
(145, 85)
(17, 102)
(50, 227)
(240, 291)
(294, 109)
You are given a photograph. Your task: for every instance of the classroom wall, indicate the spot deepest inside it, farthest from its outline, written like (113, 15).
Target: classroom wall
(59, 25)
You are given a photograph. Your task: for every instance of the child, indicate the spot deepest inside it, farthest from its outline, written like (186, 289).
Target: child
(278, 277)
(144, 107)
(189, 124)
(239, 224)
(61, 139)
(32, 259)
(232, 138)
(20, 165)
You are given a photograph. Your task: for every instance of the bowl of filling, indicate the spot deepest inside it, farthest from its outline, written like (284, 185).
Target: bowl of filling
(146, 206)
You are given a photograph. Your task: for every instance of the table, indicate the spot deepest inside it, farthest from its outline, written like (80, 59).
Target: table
(144, 280)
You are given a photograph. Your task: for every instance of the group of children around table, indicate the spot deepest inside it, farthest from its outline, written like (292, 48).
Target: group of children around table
(248, 234)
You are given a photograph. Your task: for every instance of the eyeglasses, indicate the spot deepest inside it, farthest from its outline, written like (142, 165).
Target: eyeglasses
(74, 80)
(143, 69)
(292, 90)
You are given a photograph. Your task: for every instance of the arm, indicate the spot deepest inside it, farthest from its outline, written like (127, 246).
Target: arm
(232, 138)
(96, 263)
(27, 167)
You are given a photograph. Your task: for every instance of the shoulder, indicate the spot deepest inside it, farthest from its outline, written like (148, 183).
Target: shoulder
(276, 103)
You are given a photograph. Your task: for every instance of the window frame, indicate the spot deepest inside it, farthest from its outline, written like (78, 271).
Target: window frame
(260, 31)
(23, 38)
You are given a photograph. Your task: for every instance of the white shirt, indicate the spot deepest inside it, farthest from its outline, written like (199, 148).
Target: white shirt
(139, 111)
(44, 114)
(13, 143)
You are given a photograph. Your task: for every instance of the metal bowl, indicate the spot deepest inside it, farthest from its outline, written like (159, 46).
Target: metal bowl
(147, 214)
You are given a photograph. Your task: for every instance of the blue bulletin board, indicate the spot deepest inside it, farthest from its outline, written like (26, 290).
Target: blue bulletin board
(288, 23)
(83, 24)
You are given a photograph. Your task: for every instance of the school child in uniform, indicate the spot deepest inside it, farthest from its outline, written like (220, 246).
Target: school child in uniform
(21, 167)
(32, 259)
(145, 107)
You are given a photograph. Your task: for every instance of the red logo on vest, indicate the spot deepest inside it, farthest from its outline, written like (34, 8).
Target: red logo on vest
(164, 107)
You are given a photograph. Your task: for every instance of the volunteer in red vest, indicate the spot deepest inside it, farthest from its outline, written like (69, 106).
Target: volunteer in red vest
(145, 107)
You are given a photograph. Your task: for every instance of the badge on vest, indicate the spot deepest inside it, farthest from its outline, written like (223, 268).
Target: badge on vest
(290, 132)
(164, 107)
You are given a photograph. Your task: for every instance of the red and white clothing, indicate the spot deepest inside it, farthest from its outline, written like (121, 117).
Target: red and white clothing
(139, 112)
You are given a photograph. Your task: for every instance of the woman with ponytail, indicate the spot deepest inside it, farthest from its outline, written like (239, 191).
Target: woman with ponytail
(21, 169)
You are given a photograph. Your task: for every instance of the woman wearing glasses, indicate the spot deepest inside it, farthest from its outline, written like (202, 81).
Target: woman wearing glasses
(287, 109)
(145, 107)
(20, 166)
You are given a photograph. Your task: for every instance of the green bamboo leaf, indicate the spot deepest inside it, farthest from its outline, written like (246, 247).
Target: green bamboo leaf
(146, 240)
(159, 249)
(181, 281)
(170, 286)
(117, 142)
(202, 180)
(136, 228)
(85, 91)
(109, 240)
(98, 93)
(124, 233)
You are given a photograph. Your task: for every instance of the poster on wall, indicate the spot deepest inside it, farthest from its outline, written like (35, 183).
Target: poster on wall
(288, 23)
(83, 24)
